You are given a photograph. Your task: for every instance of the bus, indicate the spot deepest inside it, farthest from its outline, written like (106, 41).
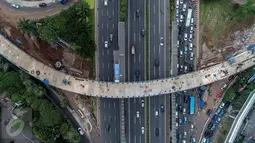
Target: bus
(188, 17)
(116, 73)
(191, 105)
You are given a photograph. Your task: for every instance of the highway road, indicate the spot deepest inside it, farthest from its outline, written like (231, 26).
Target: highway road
(185, 65)
(136, 23)
(109, 108)
(158, 68)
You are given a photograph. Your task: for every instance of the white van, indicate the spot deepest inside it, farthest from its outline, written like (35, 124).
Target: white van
(184, 7)
(177, 4)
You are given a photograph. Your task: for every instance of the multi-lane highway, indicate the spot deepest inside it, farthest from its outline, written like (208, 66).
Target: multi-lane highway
(108, 18)
(136, 39)
(158, 68)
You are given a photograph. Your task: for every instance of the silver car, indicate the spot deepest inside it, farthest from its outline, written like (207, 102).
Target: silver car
(105, 2)
(106, 44)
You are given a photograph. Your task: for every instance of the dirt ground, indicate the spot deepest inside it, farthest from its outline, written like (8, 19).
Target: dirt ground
(71, 62)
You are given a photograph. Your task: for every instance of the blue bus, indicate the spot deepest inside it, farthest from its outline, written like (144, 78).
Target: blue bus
(116, 73)
(191, 105)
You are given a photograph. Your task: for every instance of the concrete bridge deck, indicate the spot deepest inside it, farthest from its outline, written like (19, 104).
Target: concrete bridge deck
(125, 89)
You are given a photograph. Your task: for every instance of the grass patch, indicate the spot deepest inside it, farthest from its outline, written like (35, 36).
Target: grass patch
(226, 125)
(123, 10)
(218, 18)
(91, 3)
(147, 40)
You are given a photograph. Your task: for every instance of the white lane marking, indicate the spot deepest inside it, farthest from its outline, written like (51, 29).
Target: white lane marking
(107, 25)
(104, 104)
(112, 26)
(114, 105)
(102, 26)
(134, 37)
(154, 29)
(102, 52)
(159, 47)
(104, 118)
(135, 119)
(102, 65)
(139, 37)
(109, 105)
(113, 12)
(135, 138)
(154, 71)
(134, 59)
(154, 49)
(102, 39)
(139, 57)
(115, 130)
(154, 9)
(108, 65)
(134, 16)
(107, 12)
(159, 17)
(108, 53)
(140, 139)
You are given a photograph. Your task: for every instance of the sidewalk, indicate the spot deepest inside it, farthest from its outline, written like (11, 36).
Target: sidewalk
(24, 3)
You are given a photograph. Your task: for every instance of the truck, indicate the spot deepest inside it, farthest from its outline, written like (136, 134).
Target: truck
(62, 1)
(187, 24)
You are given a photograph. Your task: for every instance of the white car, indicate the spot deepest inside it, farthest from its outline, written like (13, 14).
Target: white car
(142, 130)
(161, 41)
(191, 29)
(15, 6)
(181, 18)
(156, 113)
(137, 114)
(105, 2)
(184, 7)
(181, 1)
(190, 46)
(176, 114)
(106, 44)
(185, 36)
(80, 131)
(190, 37)
(191, 56)
(177, 4)
(191, 21)
(142, 103)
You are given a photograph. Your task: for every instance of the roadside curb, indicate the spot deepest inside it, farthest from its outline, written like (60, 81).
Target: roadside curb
(23, 3)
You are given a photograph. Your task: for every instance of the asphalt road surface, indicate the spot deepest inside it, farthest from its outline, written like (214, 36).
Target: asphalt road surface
(136, 113)
(157, 52)
(109, 108)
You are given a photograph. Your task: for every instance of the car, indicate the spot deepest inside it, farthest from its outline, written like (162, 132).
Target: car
(204, 140)
(107, 127)
(193, 140)
(191, 126)
(185, 50)
(213, 127)
(218, 120)
(180, 121)
(176, 124)
(137, 74)
(178, 43)
(42, 4)
(180, 106)
(111, 37)
(183, 141)
(190, 46)
(142, 130)
(137, 13)
(15, 6)
(105, 2)
(190, 37)
(177, 12)
(221, 113)
(162, 108)
(184, 110)
(142, 103)
(181, 18)
(156, 63)
(191, 56)
(185, 120)
(156, 132)
(191, 21)
(176, 114)
(180, 136)
(186, 68)
(222, 105)
(184, 134)
(209, 111)
(185, 36)
(181, 53)
(185, 97)
(184, 7)
(156, 113)
(161, 41)
(142, 32)
(215, 117)
(137, 114)
(218, 111)
(177, 66)
(133, 50)
(191, 29)
(177, 4)
(80, 131)
(106, 44)
(181, 1)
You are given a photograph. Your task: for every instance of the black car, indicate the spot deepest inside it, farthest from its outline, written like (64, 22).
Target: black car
(108, 127)
(156, 63)
(42, 4)
(137, 74)
(180, 108)
(142, 32)
(209, 111)
(162, 108)
(186, 98)
(156, 132)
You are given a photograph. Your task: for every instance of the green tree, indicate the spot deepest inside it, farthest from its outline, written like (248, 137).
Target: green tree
(247, 9)
(82, 11)
(72, 136)
(27, 27)
(63, 103)
(48, 29)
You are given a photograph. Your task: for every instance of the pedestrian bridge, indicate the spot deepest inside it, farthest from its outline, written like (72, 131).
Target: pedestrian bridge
(78, 85)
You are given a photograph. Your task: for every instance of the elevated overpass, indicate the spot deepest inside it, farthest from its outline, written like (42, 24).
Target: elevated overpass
(125, 89)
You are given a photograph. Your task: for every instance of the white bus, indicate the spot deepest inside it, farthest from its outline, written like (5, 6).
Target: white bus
(188, 17)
